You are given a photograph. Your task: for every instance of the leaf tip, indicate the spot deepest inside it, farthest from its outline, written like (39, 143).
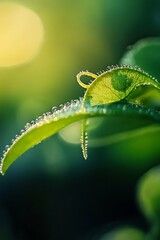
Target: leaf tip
(85, 156)
(84, 151)
(1, 171)
(84, 140)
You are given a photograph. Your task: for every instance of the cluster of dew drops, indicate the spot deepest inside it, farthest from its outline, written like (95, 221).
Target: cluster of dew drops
(136, 68)
(56, 113)
(63, 111)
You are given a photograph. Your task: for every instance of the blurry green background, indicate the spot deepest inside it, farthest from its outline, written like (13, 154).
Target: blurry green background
(51, 192)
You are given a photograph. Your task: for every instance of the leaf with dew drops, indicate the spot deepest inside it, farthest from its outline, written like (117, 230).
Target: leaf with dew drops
(84, 139)
(144, 54)
(125, 233)
(118, 83)
(48, 125)
(109, 94)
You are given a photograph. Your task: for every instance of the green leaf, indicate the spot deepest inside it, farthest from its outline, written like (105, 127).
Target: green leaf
(109, 94)
(51, 123)
(125, 135)
(149, 199)
(125, 233)
(149, 194)
(145, 54)
(116, 84)
(84, 139)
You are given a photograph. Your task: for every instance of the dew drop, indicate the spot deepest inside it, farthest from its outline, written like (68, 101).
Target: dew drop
(28, 125)
(22, 131)
(39, 119)
(61, 106)
(54, 109)
(32, 122)
(6, 147)
(108, 68)
(104, 110)
(67, 104)
(43, 118)
(124, 108)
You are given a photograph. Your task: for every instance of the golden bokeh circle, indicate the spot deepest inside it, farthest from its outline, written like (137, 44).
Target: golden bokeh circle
(21, 34)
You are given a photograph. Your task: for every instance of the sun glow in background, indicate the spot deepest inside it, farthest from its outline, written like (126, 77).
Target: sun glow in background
(21, 34)
(51, 192)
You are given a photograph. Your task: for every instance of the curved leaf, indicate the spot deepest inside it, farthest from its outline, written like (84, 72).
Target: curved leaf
(107, 95)
(149, 199)
(149, 194)
(114, 85)
(144, 54)
(125, 135)
(125, 233)
(51, 123)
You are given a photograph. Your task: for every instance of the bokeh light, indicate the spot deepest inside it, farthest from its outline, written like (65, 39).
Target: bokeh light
(21, 34)
(125, 233)
(51, 192)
